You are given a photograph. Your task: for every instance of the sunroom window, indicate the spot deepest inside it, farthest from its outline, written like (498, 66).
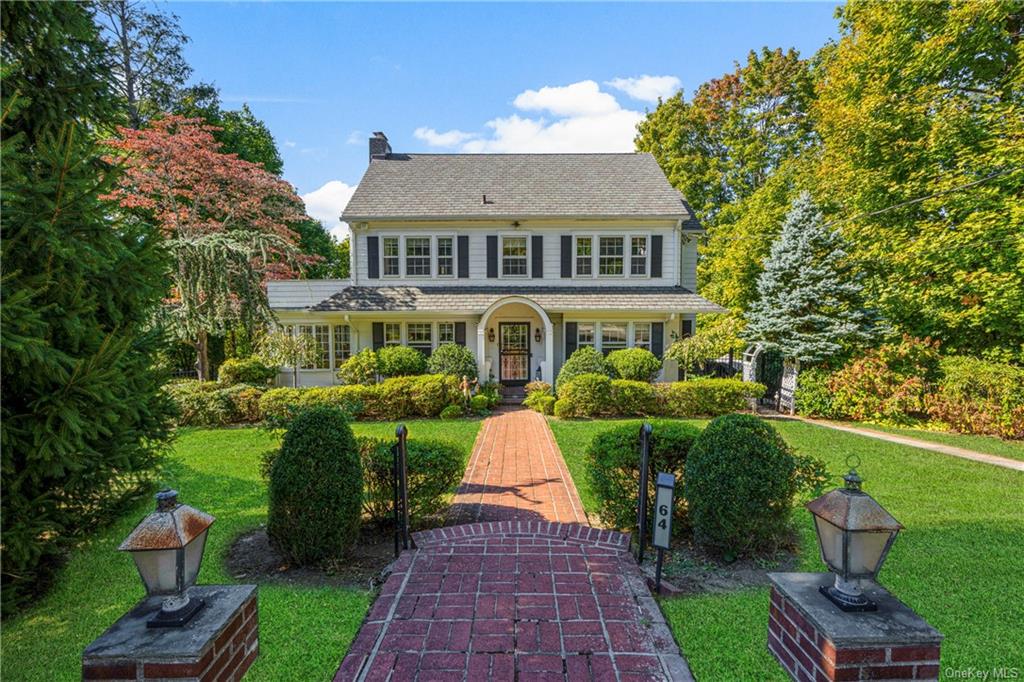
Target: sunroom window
(342, 344)
(322, 334)
(513, 257)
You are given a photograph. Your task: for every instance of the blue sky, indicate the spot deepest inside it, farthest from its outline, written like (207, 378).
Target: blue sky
(467, 77)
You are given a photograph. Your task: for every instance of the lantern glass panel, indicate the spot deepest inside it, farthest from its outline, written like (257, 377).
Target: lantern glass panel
(865, 551)
(193, 558)
(831, 539)
(158, 568)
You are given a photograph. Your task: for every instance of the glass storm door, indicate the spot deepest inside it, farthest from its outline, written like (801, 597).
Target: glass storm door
(514, 353)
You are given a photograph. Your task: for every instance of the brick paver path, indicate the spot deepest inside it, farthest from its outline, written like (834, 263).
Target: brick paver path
(526, 597)
(517, 472)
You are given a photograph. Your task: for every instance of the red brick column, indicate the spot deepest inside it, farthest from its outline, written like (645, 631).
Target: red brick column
(221, 647)
(815, 641)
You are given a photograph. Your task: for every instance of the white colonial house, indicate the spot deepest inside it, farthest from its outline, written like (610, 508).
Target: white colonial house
(523, 258)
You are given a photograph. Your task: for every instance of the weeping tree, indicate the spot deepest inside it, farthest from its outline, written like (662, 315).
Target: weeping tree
(284, 349)
(809, 306)
(226, 223)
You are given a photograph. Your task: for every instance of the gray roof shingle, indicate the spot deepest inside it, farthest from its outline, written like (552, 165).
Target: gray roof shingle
(425, 186)
(454, 299)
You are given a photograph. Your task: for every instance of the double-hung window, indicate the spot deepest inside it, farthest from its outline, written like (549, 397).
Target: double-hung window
(445, 257)
(342, 344)
(585, 334)
(642, 335)
(445, 332)
(392, 334)
(584, 256)
(322, 334)
(638, 256)
(613, 336)
(390, 258)
(420, 337)
(610, 256)
(417, 256)
(513, 257)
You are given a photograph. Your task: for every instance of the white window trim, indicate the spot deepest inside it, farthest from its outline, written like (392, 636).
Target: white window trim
(437, 333)
(434, 269)
(627, 257)
(575, 258)
(647, 258)
(501, 255)
(630, 330)
(431, 263)
(401, 256)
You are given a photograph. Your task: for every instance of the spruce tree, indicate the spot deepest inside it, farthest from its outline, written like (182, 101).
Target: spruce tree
(809, 304)
(83, 416)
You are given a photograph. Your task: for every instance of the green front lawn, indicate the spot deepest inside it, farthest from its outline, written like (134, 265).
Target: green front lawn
(957, 563)
(304, 631)
(990, 445)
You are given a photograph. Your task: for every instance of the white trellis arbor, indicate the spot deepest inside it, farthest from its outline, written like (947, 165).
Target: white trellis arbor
(790, 372)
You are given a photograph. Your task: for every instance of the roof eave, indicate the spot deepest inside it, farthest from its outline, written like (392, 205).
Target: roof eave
(516, 216)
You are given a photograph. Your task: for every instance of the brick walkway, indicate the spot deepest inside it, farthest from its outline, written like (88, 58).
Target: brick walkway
(517, 472)
(523, 597)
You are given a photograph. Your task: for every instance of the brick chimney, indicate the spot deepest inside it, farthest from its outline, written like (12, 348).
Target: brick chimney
(379, 147)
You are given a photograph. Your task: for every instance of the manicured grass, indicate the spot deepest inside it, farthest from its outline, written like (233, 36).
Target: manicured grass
(304, 631)
(956, 563)
(990, 445)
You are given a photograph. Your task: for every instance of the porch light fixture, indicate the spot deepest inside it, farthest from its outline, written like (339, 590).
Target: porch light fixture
(167, 547)
(537, 374)
(536, 334)
(854, 534)
(490, 334)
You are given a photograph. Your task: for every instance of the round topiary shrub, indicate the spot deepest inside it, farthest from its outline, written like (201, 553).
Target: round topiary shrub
(633, 398)
(316, 488)
(740, 482)
(452, 412)
(246, 371)
(634, 364)
(453, 359)
(361, 368)
(401, 361)
(480, 403)
(585, 360)
(614, 471)
(589, 395)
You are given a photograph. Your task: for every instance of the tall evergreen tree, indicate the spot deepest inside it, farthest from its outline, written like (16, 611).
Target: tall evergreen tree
(83, 416)
(809, 305)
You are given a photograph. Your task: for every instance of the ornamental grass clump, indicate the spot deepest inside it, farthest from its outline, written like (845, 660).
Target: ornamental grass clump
(740, 480)
(316, 488)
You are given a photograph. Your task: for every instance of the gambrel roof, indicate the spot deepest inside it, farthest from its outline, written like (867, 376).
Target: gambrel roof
(516, 186)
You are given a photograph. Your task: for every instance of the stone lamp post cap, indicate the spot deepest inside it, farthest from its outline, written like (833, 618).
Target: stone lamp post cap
(171, 526)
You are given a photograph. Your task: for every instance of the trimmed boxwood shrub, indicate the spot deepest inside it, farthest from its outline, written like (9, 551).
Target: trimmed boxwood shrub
(480, 403)
(634, 364)
(361, 368)
(452, 412)
(588, 395)
(434, 468)
(633, 398)
(453, 359)
(246, 371)
(209, 403)
(316, 488)
(614, 468)
(740, 480)
(401, 361)
(585, 360)
(706, 397)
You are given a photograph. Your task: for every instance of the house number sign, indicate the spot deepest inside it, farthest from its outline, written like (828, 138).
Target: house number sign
(666, 485)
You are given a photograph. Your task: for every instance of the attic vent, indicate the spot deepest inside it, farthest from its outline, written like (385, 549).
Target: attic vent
(488, 201)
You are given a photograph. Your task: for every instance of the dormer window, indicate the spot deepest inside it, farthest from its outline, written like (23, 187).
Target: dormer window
(513, 257)
(417, 257)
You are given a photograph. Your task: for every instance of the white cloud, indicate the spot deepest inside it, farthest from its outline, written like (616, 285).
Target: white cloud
(451, 138)
(356, 137)
(578, 117)
(290, 144)
(327, 203)
(647, 88)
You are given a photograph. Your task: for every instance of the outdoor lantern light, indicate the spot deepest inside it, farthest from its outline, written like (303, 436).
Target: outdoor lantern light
(490, 334)
(537, 374)
(536, 334)
(855, 534)
(167, 547)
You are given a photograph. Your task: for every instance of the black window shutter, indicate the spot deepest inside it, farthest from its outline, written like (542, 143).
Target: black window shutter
(658, 338)
(463, 242)
(492, 256)
(378, 335)
(687, 328)
(656, 242)
(460, 333)
(566, 255)
(373, 257)
(570, 339)
(537, 256)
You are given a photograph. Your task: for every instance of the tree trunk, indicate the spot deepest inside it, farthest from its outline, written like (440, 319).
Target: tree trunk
(295, 374)
(203, 357)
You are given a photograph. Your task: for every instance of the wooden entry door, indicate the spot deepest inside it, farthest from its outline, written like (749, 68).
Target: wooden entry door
(514, 353)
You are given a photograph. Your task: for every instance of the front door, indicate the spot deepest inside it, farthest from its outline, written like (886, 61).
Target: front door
(514, 353)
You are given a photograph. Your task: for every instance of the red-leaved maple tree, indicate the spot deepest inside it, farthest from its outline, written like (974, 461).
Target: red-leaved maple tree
(226, 222)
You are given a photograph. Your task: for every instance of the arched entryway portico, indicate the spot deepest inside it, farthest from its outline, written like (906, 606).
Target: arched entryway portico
(515, 339)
